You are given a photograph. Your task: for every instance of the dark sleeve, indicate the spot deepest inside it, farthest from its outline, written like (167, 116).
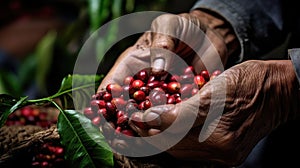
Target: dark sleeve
(294, 55)
(259, 25)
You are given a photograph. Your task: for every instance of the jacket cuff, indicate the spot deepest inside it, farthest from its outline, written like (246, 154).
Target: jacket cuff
(294, 55)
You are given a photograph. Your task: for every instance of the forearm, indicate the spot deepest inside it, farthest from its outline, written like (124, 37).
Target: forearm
(284, 82)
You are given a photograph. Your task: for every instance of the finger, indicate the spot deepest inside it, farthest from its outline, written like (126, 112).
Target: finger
(163, 28)
(129, 62)
(178, 34)
(173, 118)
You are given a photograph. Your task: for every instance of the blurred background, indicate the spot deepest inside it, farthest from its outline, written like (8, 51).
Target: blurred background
(40, 40)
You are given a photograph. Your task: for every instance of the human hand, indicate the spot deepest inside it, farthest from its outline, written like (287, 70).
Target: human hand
(186, 35)
(200, 39)
(231, 113)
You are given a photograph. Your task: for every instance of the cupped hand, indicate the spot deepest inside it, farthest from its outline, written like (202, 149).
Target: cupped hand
(230, 114)
(172, 39)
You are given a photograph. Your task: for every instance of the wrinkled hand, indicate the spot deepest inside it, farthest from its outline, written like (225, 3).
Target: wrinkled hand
(235, 111)
(171, 39)
(189, 36)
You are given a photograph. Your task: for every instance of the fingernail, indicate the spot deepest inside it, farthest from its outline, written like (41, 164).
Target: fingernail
(152, 119)
(158, 64)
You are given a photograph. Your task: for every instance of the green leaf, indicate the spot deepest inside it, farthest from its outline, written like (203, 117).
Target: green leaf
(9, 83)
(76, 90)
(84, 145)
(44, 55)
(8, 105)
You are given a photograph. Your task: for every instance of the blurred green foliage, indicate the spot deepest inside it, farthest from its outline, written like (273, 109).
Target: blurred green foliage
(55, 55)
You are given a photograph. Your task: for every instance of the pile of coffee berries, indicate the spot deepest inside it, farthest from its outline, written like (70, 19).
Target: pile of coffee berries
(31, 115)
(145, 89)
(48, 155)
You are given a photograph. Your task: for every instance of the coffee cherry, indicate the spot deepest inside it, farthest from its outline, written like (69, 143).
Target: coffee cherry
(188, 78)
(110, 108)
(122, 120)
(120, 114)
(103, 112)
(174, 78)
(88, 112)
(144, 105)
(96, 104)
(174, 87)
(137, 84)
(114, 89)
(205, 75)
(96, 121)
(189, 70)
(128, 132)
(153, 84)
(131, 107)
(151, 79)
(107, 97)
(199, 81)
(139, 95)
(215, 74)
(140, 92)
(186, 90)
(142, 75)
(119, 103)
(145, 89)
(157, 97)
(171, 100)
(128, 80)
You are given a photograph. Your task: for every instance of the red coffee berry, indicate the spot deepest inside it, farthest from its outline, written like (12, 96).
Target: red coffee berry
(154, 84)
(96, 121)
(120, 113)
(142, 75)
(137, 84)
(215, 74)
(205, 75)
(145, 89)
(189, 70)
(131, 107)
(128, 80)
(103, 112)
(171, 100)
(128, 132)
(88, 112)
(111, 108)
(139, 96)
(186, 90)
(187, 78)
(151, 79)
(107, 97)
(96, 104)
(194, 91)
(157, 97)
(122, 120)
(119, 103)
(174, 78)
(174, 87)
(142, 91)
(114, 89)
(199, 81)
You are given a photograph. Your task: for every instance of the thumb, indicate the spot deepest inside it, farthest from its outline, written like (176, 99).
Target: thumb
(172, 118)
(171, 35)
(163, 29)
